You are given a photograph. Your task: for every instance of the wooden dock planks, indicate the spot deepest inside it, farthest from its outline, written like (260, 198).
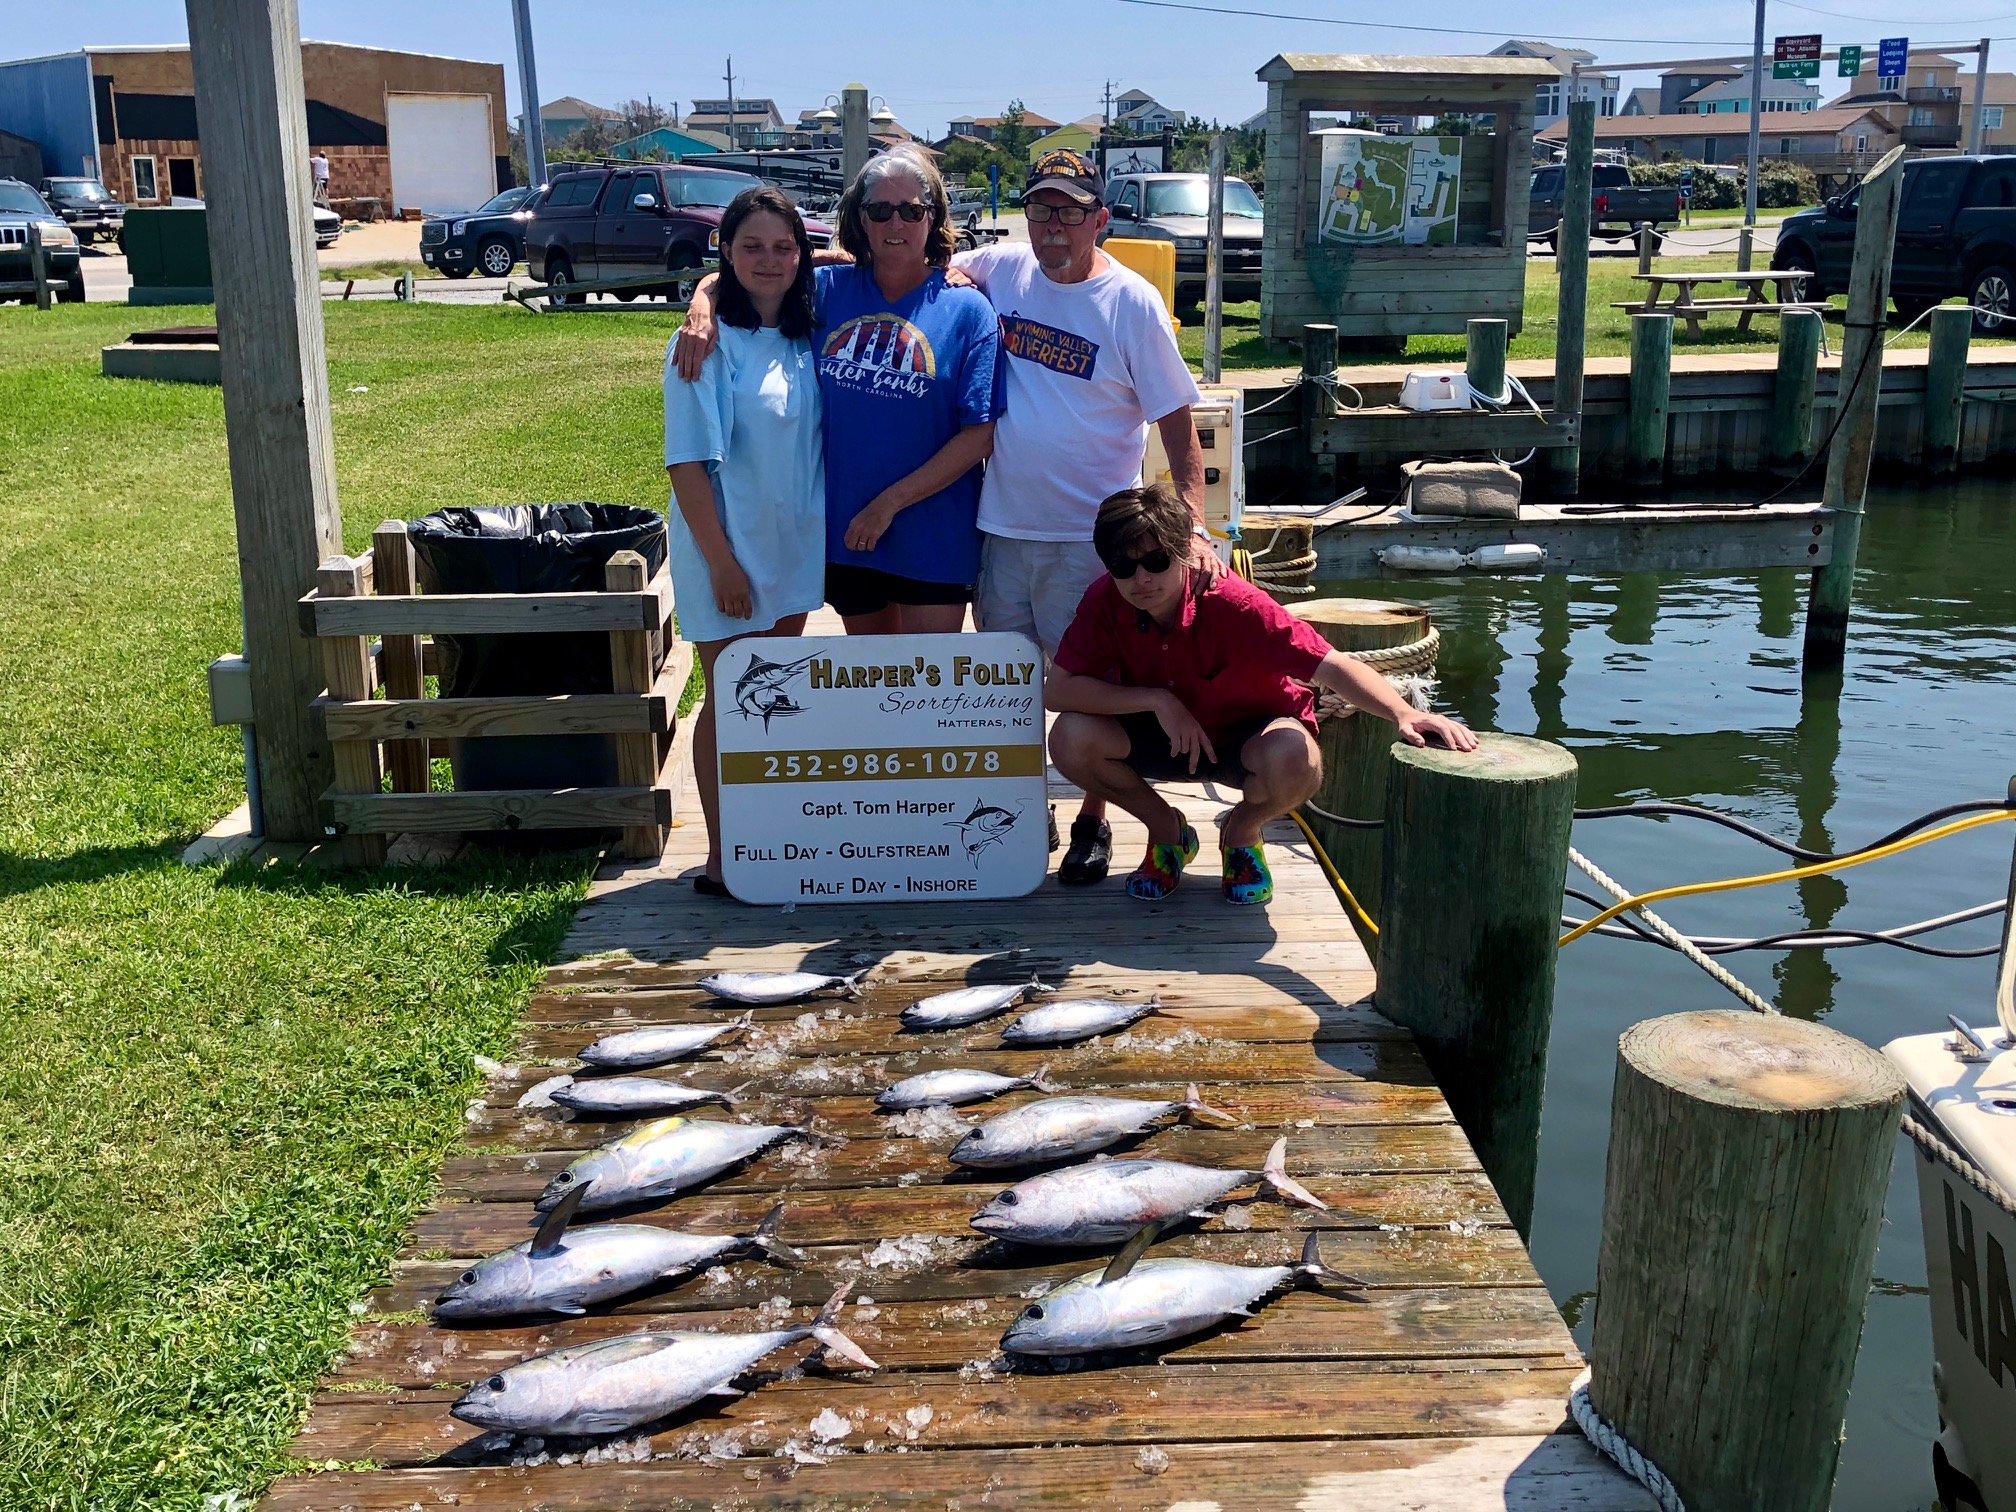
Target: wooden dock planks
(1443, 1385)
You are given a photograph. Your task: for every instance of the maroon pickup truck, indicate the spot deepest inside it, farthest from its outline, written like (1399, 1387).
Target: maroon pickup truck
(609, 222)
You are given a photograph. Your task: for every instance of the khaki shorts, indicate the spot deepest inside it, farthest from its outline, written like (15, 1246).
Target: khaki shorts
(1033, 586)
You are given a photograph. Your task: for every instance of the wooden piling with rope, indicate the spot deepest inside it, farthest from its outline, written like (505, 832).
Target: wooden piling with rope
(1484, 343)
(1474, 856)
(1950, 328)
(1395, 638)
(1854, 437)
(1319, 399)
(1749, 1157)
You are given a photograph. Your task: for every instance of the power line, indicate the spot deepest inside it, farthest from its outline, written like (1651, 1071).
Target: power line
(1446, 31)
(1464, 31)
(1883, 21)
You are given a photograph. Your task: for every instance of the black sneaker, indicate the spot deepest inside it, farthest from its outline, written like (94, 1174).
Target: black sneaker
(1052, 817)
(1091, 850)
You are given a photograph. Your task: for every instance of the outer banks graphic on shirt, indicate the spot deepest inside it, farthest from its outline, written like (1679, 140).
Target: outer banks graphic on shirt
(1045, 345)
(879, 354)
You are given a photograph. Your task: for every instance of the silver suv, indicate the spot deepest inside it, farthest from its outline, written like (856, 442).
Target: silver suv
(1173, 207)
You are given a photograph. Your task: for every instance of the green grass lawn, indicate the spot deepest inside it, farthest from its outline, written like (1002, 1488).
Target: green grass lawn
(1609, 330)
(228, 1091)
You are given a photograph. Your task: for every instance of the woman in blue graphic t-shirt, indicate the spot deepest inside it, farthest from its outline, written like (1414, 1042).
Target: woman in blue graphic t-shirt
(910, 381)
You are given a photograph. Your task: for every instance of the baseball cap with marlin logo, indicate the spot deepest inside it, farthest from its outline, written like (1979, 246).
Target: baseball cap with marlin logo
(1070, 172)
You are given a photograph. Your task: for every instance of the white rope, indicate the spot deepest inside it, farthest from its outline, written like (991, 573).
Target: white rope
(1673, 936)
(1942, 1149)
(1612, 1444)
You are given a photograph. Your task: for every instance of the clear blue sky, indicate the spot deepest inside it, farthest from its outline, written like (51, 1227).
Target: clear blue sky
(933, 61)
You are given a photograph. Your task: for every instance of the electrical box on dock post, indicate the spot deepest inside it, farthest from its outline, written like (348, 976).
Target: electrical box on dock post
(1220, 418)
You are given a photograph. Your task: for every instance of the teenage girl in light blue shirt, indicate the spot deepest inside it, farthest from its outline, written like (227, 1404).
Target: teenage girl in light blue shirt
(744, 450)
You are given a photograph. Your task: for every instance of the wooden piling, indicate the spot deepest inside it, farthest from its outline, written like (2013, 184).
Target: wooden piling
(1484, 357)
(1746, 241)
(399, 655)
(1571, 263)
(1474, 855)
(1319, 398)
(1357, 748)
(1646, 238)
(1651, 395)
(1749, 1155)
(1855, 428)
(1945, 387)
(1788, 444)
(38, 266)
(252, 117)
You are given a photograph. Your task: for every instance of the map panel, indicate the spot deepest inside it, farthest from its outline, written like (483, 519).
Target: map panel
(1386, 189)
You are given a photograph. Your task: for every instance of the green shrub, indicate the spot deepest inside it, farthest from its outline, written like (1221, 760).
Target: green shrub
(1786, 186)
(1712, 190)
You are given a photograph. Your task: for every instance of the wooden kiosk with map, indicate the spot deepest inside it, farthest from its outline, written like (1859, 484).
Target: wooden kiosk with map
(1378, 222)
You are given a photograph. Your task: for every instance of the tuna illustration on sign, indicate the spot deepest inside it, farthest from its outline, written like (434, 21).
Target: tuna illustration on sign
(987, 825)
(761, 690)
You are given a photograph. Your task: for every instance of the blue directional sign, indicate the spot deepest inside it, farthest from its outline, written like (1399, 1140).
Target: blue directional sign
(1893, 57)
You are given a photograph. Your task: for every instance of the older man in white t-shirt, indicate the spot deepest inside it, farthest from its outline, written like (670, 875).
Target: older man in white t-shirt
(1092, 363)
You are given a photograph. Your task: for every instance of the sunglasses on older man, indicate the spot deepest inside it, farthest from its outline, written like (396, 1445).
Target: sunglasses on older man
(880, 211)
(1154, 561)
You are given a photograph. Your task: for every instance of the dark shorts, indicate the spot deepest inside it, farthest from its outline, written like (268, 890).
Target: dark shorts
(853, 590)
(1149, 754)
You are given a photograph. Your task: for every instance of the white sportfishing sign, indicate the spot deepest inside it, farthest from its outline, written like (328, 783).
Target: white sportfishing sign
(890, 768)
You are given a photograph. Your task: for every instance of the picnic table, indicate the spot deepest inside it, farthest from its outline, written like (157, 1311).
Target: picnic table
(1683, 305)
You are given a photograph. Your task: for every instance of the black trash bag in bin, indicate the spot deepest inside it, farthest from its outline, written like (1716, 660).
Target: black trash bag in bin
(530, 548)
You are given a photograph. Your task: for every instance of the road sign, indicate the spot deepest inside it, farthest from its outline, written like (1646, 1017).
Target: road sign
(1798, 48)
(897, 768)
(1796, 68)
(1850, 65)
(1893, 57)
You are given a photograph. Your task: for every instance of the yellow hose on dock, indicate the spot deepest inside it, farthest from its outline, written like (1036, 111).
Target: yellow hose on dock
(1343, 888)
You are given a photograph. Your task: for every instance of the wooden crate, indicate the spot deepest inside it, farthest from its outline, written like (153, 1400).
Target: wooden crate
(371, 598)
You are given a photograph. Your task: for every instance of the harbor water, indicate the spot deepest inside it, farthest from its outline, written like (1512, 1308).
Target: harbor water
(1688, 688)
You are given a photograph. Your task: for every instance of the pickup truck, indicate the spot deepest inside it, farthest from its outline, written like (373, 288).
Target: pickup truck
(1175, 207)
(1614, 201)
(86, 207)
(595, 223)
(1956, 234)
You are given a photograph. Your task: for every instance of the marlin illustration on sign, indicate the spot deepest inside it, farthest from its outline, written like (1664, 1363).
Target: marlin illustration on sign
(760, 690)
(987, 825)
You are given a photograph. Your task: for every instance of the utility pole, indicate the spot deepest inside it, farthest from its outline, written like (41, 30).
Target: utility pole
(1980, 97)
(733, 140)
(528, 87)
(1756, 130)
(853, 130)
(1106, 113)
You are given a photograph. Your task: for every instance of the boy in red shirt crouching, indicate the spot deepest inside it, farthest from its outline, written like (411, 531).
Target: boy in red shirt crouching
(1166, 676)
